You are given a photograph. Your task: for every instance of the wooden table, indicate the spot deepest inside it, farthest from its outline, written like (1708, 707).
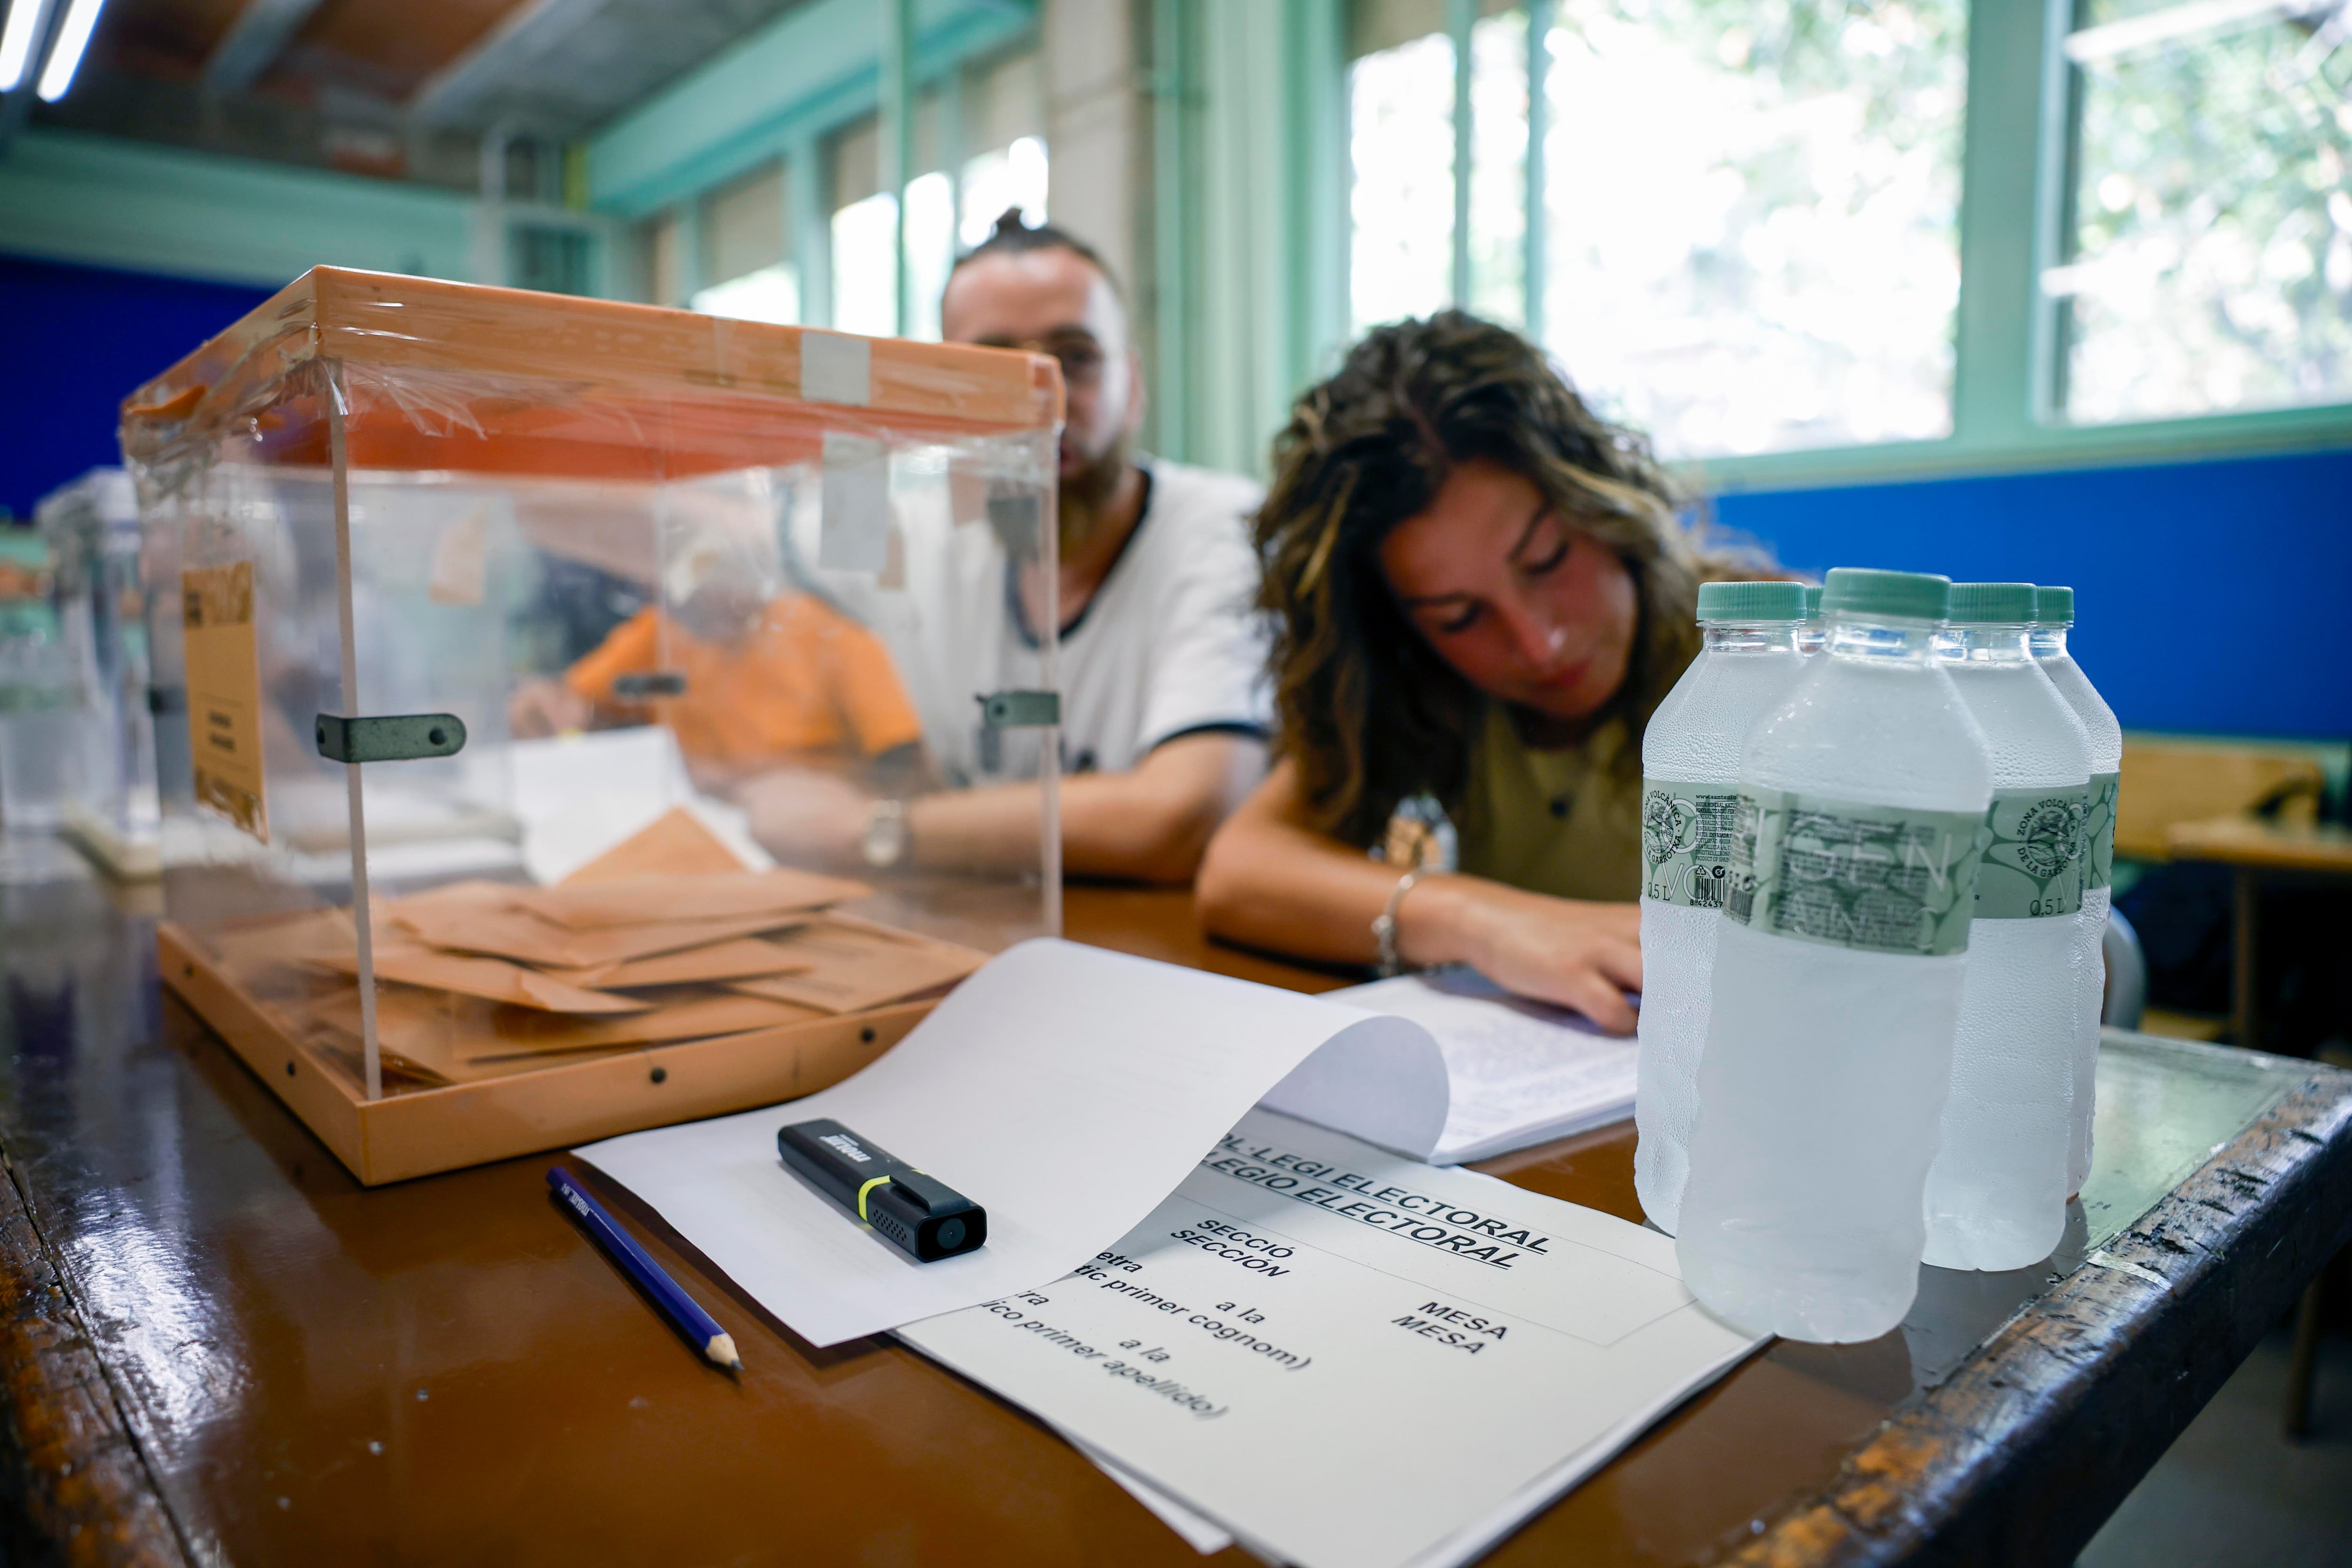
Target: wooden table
(220, 1348)
(2262, 854)
(2265, 855)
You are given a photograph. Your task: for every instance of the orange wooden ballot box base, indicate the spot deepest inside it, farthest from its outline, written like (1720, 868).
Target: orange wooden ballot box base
(420, 1131)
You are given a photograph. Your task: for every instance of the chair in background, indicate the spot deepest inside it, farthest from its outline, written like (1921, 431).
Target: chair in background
(2170, 782)
(2125, 996)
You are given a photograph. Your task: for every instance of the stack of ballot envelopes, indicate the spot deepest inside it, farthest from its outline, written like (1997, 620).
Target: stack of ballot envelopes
(510, 1018)
(478, 979)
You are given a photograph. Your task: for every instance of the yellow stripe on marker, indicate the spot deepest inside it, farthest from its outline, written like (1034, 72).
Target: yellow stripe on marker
(866, 1189)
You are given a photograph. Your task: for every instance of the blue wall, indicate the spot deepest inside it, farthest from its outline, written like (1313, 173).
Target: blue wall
(2214, 597)
(80, 339)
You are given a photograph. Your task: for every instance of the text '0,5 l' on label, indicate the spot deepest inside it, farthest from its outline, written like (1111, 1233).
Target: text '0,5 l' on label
(2034, 854)
(1687, 832)
(1875, 878)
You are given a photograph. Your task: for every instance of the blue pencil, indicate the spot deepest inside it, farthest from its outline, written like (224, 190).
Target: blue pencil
(677, 1306)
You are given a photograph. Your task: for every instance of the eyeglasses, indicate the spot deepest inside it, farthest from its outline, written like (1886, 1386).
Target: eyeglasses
(1079, 355)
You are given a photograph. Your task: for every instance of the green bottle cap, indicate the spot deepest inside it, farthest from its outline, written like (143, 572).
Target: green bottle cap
(1812, 601)
(2054, 606)
(1751, 601)
(1906, 595)
(1991, 604)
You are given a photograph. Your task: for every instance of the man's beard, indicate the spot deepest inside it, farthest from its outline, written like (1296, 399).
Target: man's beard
(1087, 495)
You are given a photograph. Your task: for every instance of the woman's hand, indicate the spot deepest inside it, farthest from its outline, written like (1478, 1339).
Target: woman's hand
(1577, 955)
(1274, 880)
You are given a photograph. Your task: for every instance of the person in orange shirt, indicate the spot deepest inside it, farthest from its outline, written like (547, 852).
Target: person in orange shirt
(782, 681)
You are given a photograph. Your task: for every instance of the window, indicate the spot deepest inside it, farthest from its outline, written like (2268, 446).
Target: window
(866, 267)
(865, 238)
(745, 250)
(997, 108)
(557, 261)
(1754, 216)
(770, 293)
(730, 251)
(1401, 200)
(1750, 208)
(995, 182)
(2209, 265)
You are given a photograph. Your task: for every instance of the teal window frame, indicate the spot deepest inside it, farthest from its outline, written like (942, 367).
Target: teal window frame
(776, 95)
(2016, 164)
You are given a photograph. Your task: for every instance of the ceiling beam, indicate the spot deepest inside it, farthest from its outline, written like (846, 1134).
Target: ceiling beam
(259, 36)
(457, 92)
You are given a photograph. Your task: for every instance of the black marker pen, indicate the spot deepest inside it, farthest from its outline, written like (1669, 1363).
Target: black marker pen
(921, 1215)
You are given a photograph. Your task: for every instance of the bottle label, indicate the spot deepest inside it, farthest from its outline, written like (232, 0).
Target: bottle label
(2099, 832)
(1877, 878)
(2034, 854)
(1687, 831)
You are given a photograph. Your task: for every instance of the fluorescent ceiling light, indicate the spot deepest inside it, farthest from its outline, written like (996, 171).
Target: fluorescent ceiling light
(2097, 45)
(16, 42)
(64, 55)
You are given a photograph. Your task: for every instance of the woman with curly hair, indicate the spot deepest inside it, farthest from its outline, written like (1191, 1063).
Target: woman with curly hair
(1480, 591)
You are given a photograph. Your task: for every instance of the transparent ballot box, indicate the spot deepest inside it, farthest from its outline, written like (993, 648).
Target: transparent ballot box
(595, 715)
(81, 757)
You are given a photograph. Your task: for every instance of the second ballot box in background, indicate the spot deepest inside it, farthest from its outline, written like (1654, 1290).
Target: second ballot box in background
(595, 715)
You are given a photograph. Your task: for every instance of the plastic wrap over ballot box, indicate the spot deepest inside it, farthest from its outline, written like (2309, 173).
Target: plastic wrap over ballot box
(595, 715)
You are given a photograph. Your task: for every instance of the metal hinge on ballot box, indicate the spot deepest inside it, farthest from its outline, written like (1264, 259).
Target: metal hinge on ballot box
(391, 738)
(642, 684)
(1019, 710)
(1002, 711)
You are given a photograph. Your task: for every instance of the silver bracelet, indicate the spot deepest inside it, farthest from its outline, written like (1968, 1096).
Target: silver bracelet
(1384, 924)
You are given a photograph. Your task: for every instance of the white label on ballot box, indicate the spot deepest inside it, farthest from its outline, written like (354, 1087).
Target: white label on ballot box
(853, 528)
(1305, 1310)
(836, 368)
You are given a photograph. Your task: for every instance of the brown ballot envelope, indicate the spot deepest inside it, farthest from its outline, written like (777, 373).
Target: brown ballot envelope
(505, 929)
(647, 900)
(419, 1034)
(745, 958)
(673, 842)
(490, 978)
(854, 964)
(694, 1014)
(247, 949)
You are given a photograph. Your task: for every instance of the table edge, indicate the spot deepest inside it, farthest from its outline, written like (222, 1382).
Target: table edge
(2027, 1448)
(84, 1491)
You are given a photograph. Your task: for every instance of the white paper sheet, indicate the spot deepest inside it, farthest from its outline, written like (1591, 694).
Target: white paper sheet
(1201, 1533)
(1064, 1089)
(1518, 1072)
(1347, 1360)
(580, 796)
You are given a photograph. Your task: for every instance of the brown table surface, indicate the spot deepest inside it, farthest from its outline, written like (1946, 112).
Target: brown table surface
(220, 1348)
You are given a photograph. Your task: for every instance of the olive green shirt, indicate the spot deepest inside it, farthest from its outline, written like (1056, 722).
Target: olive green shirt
(1565, 822)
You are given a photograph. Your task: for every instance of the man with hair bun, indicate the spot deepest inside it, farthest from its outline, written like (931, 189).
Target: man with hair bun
(1165, 709)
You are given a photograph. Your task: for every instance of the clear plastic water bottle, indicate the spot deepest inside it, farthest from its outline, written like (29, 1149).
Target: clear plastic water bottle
(1690, 800)
(1811, 634)
(1997, 1193)
(1838, 972)
(2054, 613)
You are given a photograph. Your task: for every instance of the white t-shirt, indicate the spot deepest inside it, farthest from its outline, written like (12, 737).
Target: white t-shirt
(1168, 646)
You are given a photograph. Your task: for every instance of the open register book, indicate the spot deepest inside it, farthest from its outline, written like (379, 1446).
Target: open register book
(1505, 1073)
